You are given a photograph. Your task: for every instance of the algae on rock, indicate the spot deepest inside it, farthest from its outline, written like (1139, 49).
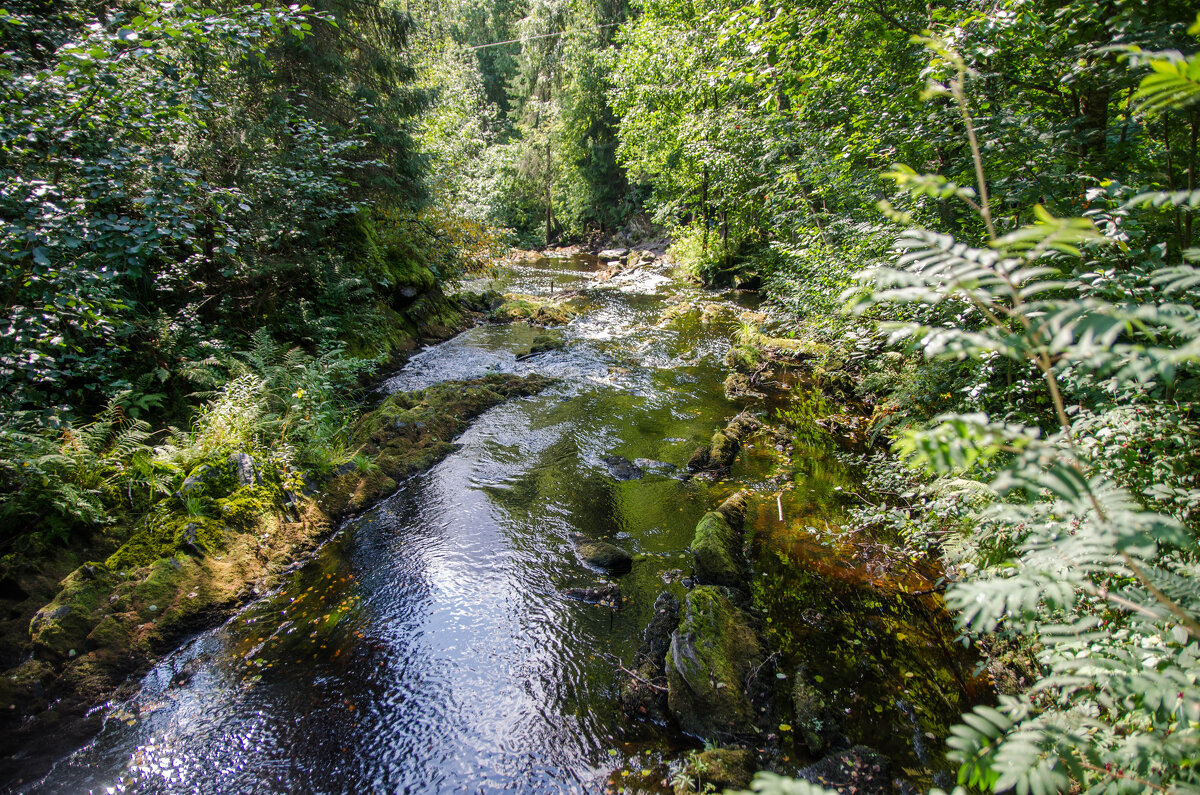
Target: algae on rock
(712, 656)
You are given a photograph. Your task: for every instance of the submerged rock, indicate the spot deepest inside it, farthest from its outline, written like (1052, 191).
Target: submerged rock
(608, 595)
(602, 556)
(650, 465)
(622, 468)
(713, 655)
(815, 721)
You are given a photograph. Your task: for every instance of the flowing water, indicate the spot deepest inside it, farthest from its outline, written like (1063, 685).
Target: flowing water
(428, 646)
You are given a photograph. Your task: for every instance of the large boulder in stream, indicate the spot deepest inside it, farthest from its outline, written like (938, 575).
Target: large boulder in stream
(714, 653)
(717, 557)
(602, 556)
(716, 552)
(622, 468)
(722, 449)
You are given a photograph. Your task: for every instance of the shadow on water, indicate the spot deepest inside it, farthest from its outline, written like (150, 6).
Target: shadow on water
(428, 646)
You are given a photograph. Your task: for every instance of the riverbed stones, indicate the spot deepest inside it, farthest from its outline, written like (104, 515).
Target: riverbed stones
(815, 721)
(607, 595)
(602, 556)
(622, 468)
(658, 467)
(713, 654)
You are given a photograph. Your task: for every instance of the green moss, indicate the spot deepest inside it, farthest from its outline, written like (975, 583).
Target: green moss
(200, 535)
(164, 535)
(716, 552)
(154, 539)
(531, 310)
(355, 491)
(244, 510)
(743, 358)
(110, 633)
(804, 348)
(711, 657)
(723, 450)
(159, 589)
(63, 625)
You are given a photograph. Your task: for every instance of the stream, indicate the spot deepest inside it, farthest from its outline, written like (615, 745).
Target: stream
(428, 646)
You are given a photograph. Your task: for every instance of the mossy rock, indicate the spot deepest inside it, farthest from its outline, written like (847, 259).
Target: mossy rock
(64, 625)
(244, 510)
(20, 687)
(200, 536)
(739, 387)
(603, 556)
(711, 657)
(531, 310)
(160, 588)
(725, 444)
(717, 552)
(699, 459)
(154, 540)
(723, 450)
(743, 358)
(544, 343)
(717, 769)
(642, 696)
(111, 633)
(483, 302)
(798, 348)
(352, 492)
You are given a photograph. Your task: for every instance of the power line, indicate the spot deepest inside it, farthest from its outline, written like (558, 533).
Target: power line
(543, 36)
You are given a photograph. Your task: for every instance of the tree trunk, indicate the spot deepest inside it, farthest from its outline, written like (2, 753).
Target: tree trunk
(1094, 110)
(1171, 177)
(1187, 219)
(549, 201)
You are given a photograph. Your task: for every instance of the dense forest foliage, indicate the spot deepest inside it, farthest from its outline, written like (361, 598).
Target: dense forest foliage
(190, 196)
(215, 220)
